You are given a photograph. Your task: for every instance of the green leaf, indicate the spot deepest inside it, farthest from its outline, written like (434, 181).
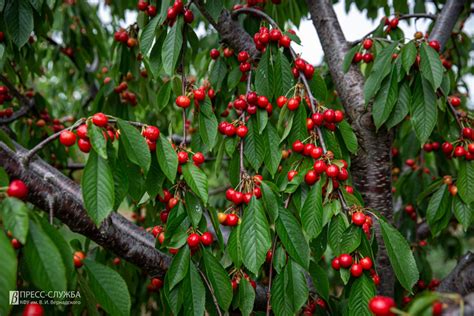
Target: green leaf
(97, 188)
(194, 208)
(350, 239)
(438, 205)
(271, 200)
(362, 290)
(263, 76)
(336, 229)
(320, 279)
(172, 47)
(218, 73)
(196, 180)
(214, 7)
(402, 107)
(194, 302)
(465, 181)
(167, 157)
(219, 280)
(282, 304)
(246, 297)
(346, 64)
(463, 212)
(8, 266)
(109, 288)
(164, 95)
(272, 153)
(254, 145)
(97, 138)
(179, 267)
(44, 264)
(15, 218)
(408, 55)
(312, 211)
(19, 21)
(208, 126)
(135, 145)
(255, 236)
(297, 288)
(234, 246)
(148, 35)
(349, 137)
(423, 110)
(318, 87)
(282, 77)
(292, 238)
(400, 256)
(430, 66)
(380, 70)
(385, 99)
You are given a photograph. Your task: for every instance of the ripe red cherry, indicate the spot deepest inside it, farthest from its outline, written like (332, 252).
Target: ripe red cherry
(435, 45)
(151, 10)
(338, 116)
(18, 189)
(164, 216)
(84, 145)
(193, 240)
(281, 101)
(243, 56)
(447, 148)
(437, 309)
(368, 57)
(459, 151)
(311, 177)
(16, 244)
(207, 239)
(262, 101)
(183, 101)
(394, 23)
(329, 115)
(67, 138)
(245, 67)
(99, 119)
(142, 5)
(357, 58)
(229, 194)
(152, 133)
(381, 305)
(467, 132)
(367, 43)
(293, 103)
(358, 218)
(320, 166)
(198, 158)
(230, 130)
(78, 257)
(82, 131)
(298, 146)
(242, 131)
(285, 41)
(366, 263)
(470, 148)
(257, 192)
(335, 264)
(343, 174)
(275, 35)
(161, 237)
(291, 174)
(318, 118)
(316, 153)
(300, 63)
(356, 270)
(199, 94)
(238, 198)
(232, 219)
(349, 189)
(308, 71)
(345, 260)
(455, 101)
(33, 309)
(183, 157)
(332, 171)
(308, 148)
(214, 53)
(151, 144)
(188, 16)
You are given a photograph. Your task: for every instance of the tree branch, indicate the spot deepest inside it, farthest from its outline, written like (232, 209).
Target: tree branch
(446, 21)
(25, 104)
(460, 279)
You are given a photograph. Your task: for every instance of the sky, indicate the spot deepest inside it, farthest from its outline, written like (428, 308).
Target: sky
(311, 49)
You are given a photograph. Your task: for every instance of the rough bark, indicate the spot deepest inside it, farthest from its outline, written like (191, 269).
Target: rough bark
(371, 166)
(461, 279)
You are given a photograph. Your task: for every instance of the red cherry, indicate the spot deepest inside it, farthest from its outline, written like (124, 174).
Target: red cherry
(99, 119)
(152, 133)
(232, 219)
(291, 174)
(18, 189)
(343, 174)
(151, 10)
(16, 243)
(367, 44)
(356, 270)
(242, 131)
(193, 240)
(285, 41)
(262, 101)
(358, 218)
(275, 35)
(243, 56)
(437, 309)
(269, 256)
(308, 148)
(156, 230)
(298, 146)
(357, 58)
(188, 16)
(247, 197)
(78, 257)
(311, 177)
(366, 263)
(171, 14)
(166, 196)
(376, 279)
(293, 103)
(335, 264)
(345, 260)
(229, 194)
(172, 203)
(435, 45)
(281, 101)
(410, 162)
(317, 152)
(142, 5)
(308, 71)
(161, 237)
(183, 101)
(84, 145)
(245, 67)
(300, 64)
(459, 151)
(320, 166)
(238, 198)
(198, 158)
(82, 131)
(211, 93)
(329, 115)
(349, 189)
(394, 23)
(332, 171)
(470, 148)
(67, 138)
(214, 53)
(467, 132)
(455, 101)
(447, 148)
(199, 94)
(178, 6)
(207, 239)
(230, 130)
(183, 157)
(33, 309)
(368, 57)
(318, 119)
(338, 116)
(257, 192)
(151, 144)
(381, 305)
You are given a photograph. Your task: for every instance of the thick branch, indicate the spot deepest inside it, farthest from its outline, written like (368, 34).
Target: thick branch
(446, 21)
(460, 280)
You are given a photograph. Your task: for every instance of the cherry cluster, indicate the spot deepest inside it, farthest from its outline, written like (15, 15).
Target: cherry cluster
(230, 130)
(346, 261)
(151, 134)
(365, 221)
(183, 157)
(230, 219)
(194, 239)
(155, 285)
(310, 307)
(121, 36)
(144, 6)
(367, 56)
(126, 95)
(238, 276)
(170, 202)
(250, 103)
(176, 9)
(5, 96)
(264, 36)
(303, 66)
(390, 23)
(410, 210)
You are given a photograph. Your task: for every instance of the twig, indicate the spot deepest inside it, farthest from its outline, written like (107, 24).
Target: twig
(418, 16)
(211, 290)
(26, 104)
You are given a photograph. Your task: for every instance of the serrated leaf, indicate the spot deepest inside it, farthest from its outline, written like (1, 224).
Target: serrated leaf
(234, 246)
(402, 107)
(272, 153)
(350, 239)
(218, 73)
(281, 302)
(167, 157)
(400, 256)
(148, 35)
(108, 287)
(194, 302)
(254, 146)
(194, 208)
(255, 236)
(408, 55)
(282, 77)
(8, 270)
(298, 127)
(463, 212)
(97, 139)
(15, 218)
(385, 99)
(19, 21)
(196, 179)
(179, 267)
(135, 145)
(292, 238)
(172, 47)
(318, 87)
(208, 125)
(312, 211)
(97, 188)
(336, 229)
(348, 136)
(438, 205)
(271, 200)
(263, 76)
(465, 181)
(246, 297)
(430, 66)
(362, 290)
(320, 280)
(297, 288)
(219, 280)
(164, 95)
(423, 109)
